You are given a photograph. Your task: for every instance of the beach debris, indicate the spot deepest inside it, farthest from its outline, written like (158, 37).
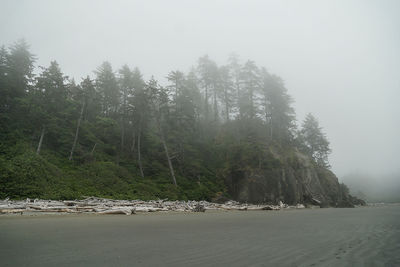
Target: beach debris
(199, 208)
(300, 206)
(118, 210)
(96, 205)
(316, 201)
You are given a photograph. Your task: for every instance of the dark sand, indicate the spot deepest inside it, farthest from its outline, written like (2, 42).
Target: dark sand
(367, 236)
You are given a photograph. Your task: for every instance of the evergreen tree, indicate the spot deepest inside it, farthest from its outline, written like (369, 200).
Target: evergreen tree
(91, 98)
(126, 83)
(5, 88)
(20, 68)
(176, 78)
(227, 94)
(51, 84)
(141, 112)
(236, 72)
(135, 107)
(313, 141)
(158, 97)
(208, 72)
(107, 86)
(50, 97)
(192, 91)
(277, 107)
(250, 77)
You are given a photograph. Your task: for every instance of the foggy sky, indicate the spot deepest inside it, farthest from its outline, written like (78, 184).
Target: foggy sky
(340, 60)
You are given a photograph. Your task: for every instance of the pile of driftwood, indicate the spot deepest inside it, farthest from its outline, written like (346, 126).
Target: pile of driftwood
(109, 206)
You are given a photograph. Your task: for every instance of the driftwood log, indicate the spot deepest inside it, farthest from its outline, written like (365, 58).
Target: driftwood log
(95, 205)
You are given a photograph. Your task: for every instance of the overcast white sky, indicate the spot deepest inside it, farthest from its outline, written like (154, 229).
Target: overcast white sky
(340, 59)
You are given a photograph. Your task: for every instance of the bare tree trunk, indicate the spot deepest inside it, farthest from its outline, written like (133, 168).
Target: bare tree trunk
(252, 112)
(122, 135)
(271, 127)
(268, 120)
(171, 168)
(215, 104)
(206, 102)
(77, 131)
(176, 94)
(123, 123)
(226, 105)
(238, 97)
(121, 151)
(94, 147)
(40, 142)
(133, 141)
(139, 156)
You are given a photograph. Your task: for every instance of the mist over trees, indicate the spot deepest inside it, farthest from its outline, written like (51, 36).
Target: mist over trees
(175, 140)
(313, 141)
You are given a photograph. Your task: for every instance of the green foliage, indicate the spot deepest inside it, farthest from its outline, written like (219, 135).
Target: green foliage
(29, 175)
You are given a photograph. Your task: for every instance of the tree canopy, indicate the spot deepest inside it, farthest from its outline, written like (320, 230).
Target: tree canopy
(314, 141)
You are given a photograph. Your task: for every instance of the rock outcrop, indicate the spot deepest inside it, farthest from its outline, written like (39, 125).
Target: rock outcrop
(295, 179)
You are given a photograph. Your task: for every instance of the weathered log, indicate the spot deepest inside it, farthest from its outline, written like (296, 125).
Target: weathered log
(5, 211)
(55, 210)
(12, 206)
(118, 211)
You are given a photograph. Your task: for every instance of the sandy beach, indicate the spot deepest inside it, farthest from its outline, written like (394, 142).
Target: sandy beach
(367, 236)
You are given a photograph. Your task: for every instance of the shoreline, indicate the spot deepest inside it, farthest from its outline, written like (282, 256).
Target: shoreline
(104, 206)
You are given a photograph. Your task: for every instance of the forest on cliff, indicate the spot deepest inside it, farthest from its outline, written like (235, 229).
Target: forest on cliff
(114, 134)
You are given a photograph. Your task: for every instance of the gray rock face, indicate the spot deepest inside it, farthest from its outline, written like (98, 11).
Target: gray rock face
(296, 180)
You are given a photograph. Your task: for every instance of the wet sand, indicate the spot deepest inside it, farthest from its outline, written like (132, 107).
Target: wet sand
(368, 236)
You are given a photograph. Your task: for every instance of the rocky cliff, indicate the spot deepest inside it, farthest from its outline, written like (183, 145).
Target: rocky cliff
(292, 179)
